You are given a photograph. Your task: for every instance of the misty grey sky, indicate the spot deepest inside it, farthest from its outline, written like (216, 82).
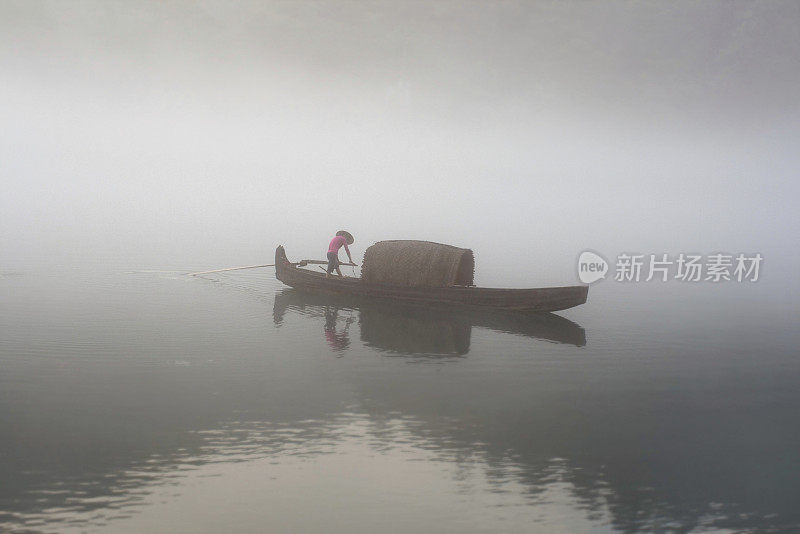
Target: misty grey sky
(203, 134)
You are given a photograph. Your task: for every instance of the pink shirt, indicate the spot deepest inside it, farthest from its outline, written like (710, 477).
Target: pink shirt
(336, 244)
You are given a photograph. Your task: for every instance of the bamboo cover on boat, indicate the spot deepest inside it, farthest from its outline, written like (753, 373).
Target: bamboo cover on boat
(418, 264)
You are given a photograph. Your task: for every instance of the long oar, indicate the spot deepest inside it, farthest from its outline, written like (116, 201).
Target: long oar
(299, 264)
(231, 269)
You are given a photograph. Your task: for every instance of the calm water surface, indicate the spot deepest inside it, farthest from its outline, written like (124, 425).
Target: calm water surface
(156, 402)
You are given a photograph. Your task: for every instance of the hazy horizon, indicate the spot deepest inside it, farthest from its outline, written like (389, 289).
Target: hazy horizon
(201, 135)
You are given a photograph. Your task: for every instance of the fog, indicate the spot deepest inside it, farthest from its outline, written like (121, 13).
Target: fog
(193, 135)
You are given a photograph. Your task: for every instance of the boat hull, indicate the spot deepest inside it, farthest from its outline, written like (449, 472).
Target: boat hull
(533, 300)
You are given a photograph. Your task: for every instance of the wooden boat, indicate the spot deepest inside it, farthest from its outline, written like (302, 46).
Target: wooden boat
(527, 300)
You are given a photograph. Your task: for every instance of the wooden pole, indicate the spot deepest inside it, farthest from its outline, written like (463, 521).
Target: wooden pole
(319, 262)
(300, 263)
(231, 269)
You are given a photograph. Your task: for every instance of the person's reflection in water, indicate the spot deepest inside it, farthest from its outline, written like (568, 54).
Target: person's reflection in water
(339, 341)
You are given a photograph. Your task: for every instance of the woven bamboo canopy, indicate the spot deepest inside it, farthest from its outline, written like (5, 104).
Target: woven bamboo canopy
(418, 264)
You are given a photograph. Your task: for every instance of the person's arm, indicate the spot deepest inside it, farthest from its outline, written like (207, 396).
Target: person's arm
(348, 252)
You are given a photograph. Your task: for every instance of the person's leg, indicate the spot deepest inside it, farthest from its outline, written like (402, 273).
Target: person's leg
(332, 264)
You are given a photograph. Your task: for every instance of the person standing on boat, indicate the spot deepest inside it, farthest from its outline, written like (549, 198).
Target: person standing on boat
(342, 239)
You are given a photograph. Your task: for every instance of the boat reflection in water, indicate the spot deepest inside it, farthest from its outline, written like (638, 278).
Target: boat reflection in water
(409, 329)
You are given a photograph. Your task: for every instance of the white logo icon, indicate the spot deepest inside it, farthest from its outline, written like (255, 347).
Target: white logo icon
(591, 267)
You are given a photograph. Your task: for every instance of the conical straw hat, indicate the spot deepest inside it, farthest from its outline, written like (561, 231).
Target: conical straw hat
(347, 235)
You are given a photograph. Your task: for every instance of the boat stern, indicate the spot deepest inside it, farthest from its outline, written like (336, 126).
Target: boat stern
(280, 263)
